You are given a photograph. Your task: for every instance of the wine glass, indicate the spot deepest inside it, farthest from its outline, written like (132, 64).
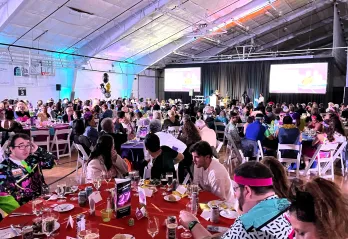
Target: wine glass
(152, 226)
(45, 192)
(107, 177)
(61, 191)
(169, 176)
(37, 205)
(97, 183)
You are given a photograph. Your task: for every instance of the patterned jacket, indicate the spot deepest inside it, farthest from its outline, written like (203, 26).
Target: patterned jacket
(25, 183)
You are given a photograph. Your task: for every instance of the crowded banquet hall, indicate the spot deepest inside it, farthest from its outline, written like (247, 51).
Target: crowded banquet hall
(173, 119)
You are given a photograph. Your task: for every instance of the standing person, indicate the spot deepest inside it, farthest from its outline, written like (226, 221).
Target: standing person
(261, 99)
(318, 210)
(21, 170)
(263, 212)
(245, 98)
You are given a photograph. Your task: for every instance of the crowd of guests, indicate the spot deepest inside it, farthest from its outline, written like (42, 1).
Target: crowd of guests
(270, 205)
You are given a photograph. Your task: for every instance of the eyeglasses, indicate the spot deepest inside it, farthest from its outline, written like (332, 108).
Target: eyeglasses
(22, 147)
(235, 188)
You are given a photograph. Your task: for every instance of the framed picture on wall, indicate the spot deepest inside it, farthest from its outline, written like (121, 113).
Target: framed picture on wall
(22, 91)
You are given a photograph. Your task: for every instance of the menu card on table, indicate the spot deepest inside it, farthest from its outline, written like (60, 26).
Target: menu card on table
(122, 198)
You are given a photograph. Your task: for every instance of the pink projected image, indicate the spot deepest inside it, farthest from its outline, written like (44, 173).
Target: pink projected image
(299, 78)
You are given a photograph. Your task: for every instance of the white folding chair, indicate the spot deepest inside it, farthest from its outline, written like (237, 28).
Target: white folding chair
(64, 141)
(219, 132)
(296, 160)
(81, 159)
(259, 152)
(3, 151)
(324, 148)
(34, 138)
(219, 146)
(228, 161)
(337, 156)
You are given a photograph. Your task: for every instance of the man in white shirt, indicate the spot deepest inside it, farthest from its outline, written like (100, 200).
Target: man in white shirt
(166, 139)
(207, 134)
(209, 173)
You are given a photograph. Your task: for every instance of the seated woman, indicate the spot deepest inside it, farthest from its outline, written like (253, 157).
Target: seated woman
(43, 115)
(78, 128)
(316, 123)
(22, 112)
(9, 125)
(222, 117)
(288, 133)
(189, 136)
(90, 132)
(21, 170)
(317, 210)
(104, 158)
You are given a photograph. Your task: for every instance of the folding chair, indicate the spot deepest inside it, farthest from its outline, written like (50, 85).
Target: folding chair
(219, 146)
(3, 151)
(338, 155)
(219, 132)
(296, 160)
(61, 137)
(323, 148)
(34, 138)
(81, 159)
(228, 161)
(260, 151)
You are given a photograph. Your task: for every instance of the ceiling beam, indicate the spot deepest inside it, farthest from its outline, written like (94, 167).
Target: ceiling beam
(9, 10)
(294, 35)
(166, 50)
(102, 41)
(263, 29)
(310, 43)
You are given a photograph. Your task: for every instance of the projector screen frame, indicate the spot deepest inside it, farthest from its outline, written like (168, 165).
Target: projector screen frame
(300, 63)
(187, 91)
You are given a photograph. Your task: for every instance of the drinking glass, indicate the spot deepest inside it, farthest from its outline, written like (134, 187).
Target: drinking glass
(37, 205)
(73, 183)
(136, 180)
(169, 177)
(107, 177)
(49, 220)
(187, 233)
(92, 233)
(61, 191)
(152, 226)
(164, 183)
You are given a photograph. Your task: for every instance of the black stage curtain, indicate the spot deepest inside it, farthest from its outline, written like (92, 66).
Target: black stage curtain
(233, 78)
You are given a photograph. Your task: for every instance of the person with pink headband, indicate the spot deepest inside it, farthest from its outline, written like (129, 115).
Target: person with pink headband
(262, 211)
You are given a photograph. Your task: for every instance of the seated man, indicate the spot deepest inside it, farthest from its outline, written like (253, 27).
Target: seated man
(254, 132)
(21, 171)
(207, 134)
(68, 117)
(209, 173)
(231, 130)
(166, 139)
(263, 212)
(163, 157)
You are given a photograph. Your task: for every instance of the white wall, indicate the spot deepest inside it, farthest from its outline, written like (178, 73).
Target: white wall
(145, 85)
(38, 87)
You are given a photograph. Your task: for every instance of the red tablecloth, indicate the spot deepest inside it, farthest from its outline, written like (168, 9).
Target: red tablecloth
(138, 230)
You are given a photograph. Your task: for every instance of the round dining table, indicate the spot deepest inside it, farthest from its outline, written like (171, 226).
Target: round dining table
(156, 206)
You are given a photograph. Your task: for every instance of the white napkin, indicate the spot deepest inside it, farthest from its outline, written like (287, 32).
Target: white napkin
(53, 197)
(206, 214)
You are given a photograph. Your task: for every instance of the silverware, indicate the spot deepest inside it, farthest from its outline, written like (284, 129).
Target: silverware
(12, 225)
(22, 213)
(19, 215)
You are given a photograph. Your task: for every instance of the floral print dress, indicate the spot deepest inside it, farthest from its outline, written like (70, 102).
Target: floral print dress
(25, 183)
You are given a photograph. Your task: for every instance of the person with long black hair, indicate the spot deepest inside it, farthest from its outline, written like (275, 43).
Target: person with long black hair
(104, 158)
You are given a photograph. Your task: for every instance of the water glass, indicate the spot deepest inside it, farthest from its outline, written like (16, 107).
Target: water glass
(169, 177)
(61, 187)
(152, 226)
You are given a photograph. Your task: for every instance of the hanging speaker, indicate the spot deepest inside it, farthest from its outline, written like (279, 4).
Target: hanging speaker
(191, 92)
(58, 87)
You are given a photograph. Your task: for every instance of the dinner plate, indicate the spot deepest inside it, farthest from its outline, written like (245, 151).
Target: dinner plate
(63, 207)
(229, 214)
(176, 197)
(221, 204)
(128, 236)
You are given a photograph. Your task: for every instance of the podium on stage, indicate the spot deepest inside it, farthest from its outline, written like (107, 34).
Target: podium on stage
(214, 100)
